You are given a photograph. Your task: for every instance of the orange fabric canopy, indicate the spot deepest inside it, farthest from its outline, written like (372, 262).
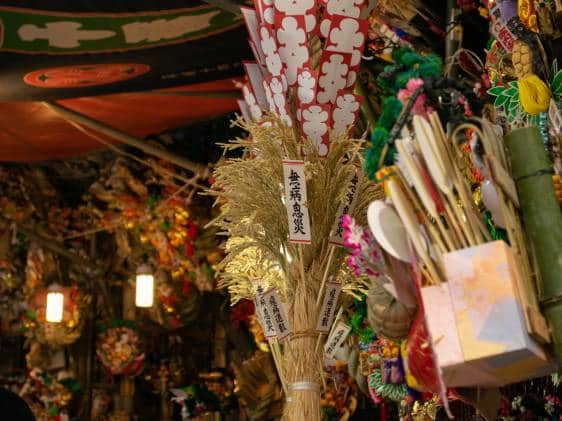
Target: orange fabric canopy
(30, 131)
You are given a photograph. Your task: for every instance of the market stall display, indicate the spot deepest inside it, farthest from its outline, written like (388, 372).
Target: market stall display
(376, 234)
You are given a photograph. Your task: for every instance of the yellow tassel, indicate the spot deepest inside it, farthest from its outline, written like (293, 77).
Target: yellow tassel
(534, 95)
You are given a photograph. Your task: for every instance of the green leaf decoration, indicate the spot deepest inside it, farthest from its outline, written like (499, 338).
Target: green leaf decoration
(512, 92)
(556, 85)
(496, 90)
(513, 105)
(514, 84)
(513, 111)
(501, 100)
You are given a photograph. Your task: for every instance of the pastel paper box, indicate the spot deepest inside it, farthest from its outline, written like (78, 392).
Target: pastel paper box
(477, 323)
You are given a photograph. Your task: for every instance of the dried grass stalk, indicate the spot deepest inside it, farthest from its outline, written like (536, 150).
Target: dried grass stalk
(253, 215)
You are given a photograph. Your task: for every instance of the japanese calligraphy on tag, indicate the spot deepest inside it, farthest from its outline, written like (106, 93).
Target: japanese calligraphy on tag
(276, 310)
(264, 315)
(326, 315)
(346, 207)
(295, 201)
(336, 339)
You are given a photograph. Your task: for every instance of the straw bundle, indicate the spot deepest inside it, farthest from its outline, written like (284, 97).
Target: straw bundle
(255, 218)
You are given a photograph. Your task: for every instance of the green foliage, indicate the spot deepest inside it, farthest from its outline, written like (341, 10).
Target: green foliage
(507, 100)
(407, 65)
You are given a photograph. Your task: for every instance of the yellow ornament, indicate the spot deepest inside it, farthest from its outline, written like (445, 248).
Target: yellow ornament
(534, 95)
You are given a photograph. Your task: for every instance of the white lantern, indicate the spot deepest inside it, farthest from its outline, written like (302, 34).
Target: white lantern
(55, 304)
(144, 289)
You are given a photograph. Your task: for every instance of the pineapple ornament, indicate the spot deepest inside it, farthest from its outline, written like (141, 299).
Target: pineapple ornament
(534, 94)
(521, 58)
(529, 95)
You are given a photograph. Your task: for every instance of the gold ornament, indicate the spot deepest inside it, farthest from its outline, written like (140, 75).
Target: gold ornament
(426, 411)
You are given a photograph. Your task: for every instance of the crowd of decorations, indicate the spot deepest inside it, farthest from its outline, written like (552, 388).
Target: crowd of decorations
(380, 240)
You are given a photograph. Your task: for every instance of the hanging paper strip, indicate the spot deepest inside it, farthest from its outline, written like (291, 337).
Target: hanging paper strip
(334, 70)
(245, 110)
(256, 81)
(264, 315)
(336, 339)
(252, 24)
(250, 99)
(316, 122)
(345, 111)
(307, 83)
(328, 309)
(346, 207)
(292, 44)
(304, 8)
(278, 314)
(295, 201)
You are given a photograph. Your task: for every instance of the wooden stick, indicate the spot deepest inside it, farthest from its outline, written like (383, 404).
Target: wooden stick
(318, 343)
(454, 223)
(400, 203)
(321, 363)
(301, 263)
(325, 276)
(157, 168)
(276, 354)
(69, 114)
(425, 220)
(466, 220)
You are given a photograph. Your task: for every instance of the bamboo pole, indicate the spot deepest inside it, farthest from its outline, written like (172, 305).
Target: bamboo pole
(71, 115)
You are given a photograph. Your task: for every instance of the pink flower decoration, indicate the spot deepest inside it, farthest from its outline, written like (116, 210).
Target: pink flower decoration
(366, 258)
(419, 107)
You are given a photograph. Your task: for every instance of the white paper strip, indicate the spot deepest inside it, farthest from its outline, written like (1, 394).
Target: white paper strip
(264, 315)
(328, 309)
(250, 99)
(346, 207)
(336, 339)
(251, 18)
(295, 201)
(292, 41)
(253, 71)
(278, 314)
(244, 110)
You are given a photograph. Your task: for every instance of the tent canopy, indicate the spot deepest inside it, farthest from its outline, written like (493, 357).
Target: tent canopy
(134, 68)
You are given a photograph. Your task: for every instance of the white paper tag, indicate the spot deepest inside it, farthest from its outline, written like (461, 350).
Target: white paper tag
(264, 315)
(295, 201)
(336, 339)
(326, 315)
(346, 207)
(278, 314)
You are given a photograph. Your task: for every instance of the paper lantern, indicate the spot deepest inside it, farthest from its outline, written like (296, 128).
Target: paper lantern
(144, 290)
(55, 304)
